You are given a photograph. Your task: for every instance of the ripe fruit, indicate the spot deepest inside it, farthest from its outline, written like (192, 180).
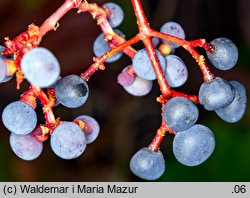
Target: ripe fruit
(147, 164)
(143, 66)
(68, 141)
(101, 47)
(180, 113)
(176, 71)
(25, 147)
(19, 117)
(236, 109)
(224, 55)
(173, 29)
(38, 63)
(194, 146)
(92, 128)
(72, 91)
(115, 15)
(216, 94)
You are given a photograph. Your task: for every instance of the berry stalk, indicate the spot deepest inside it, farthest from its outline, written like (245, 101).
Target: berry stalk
(164, 87)
(48, 104)
(34, 92)
(99, 61)
(144, 32)
(207, 74)
(29, 97)
(52, 22)
(160, 134)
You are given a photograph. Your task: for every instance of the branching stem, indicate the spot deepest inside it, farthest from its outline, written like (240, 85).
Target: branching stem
(33, 36)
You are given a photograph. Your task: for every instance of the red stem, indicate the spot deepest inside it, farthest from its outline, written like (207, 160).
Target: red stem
(194, 98)
(164, 87)
(11, 67)
(118, 40)
(207, 74)
(156, 142)
(52, 21)
(31, 38)
(41, 133)
(201, 43)
(141, 18)
(99, 61)
(81, 124)
(47, 108)
(101, 16)
(145, 30)
(34, 93)
(160, 133)
(130, 70)
(29, 97)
